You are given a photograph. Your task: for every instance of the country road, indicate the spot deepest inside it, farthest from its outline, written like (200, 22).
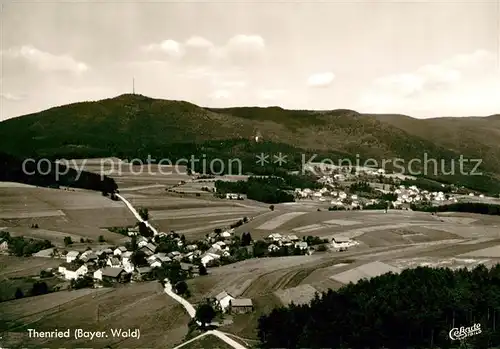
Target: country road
(168, 289)
(136, 214)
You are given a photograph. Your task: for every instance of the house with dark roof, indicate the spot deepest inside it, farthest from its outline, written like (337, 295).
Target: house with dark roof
(113, 262)
(109, 274)
(241, 305)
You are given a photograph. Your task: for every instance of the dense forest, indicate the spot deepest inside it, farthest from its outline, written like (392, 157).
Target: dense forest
(469, 207)
(51, 174)
(269, 189)
(414, 309)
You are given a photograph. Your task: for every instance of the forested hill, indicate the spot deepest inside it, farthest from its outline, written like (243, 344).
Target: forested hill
(131, 126)
(51, 174)
(415, 309)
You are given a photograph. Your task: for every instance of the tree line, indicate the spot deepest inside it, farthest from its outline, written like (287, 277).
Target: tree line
(469, 207)
(414, 309)
(52, 174)
(270, 190)
(22, 247)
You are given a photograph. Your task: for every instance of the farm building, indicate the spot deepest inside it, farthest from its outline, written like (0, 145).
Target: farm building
(73, 270)
(142, 241)
(113, 262)
(4, 245)
(144, 272)
(209, 258)
(241, 305)
(71, 256)
(119, 250)
(109, 274)
(89, 257)
(224, 299)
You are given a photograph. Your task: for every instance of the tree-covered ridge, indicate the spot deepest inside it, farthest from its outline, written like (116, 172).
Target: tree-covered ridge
(415, 309)
(51, 174)
(135, 126)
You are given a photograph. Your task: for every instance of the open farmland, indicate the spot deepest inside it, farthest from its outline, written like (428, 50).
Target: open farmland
(388, 243)
(11, 266)
(161, 321)
(207, 341)
(133, 174)
(60, 213)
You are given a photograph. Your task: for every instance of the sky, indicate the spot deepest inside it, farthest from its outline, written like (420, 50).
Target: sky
(421, 58)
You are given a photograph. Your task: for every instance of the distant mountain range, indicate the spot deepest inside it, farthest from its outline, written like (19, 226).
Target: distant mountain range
(130, 126)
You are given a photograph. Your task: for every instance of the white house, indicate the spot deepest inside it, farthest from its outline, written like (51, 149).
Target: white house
(342, 243)
(119, 250)
(208, 257)
(98, 274)
(108, 272)
(128, 265)
(275, 237)
(4, 246)
(74, 271)
(224, 299)
(156, 263)
(219, 245)
(272, 248)
(226, 234)
(142, 241)
(71, 256)
(302, 245)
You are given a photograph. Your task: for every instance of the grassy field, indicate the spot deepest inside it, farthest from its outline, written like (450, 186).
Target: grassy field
(22, 273)
(398, 239)
(160, 320)
(384, 239)
(207, 341)
(60, 213)
(11, 266)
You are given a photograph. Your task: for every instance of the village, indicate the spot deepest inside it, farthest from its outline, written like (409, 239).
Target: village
(169, 256)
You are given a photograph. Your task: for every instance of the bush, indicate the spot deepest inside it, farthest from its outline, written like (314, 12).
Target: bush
(68, 241)
(19, 293)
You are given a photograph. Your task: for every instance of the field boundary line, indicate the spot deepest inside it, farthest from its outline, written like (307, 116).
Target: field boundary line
(192, 313)
(52, 310)
(193, 339)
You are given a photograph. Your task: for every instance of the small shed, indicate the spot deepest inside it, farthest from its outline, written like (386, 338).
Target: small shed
(241, 305)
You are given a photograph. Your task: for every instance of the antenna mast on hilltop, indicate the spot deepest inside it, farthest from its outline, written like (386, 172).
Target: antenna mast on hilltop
(133, 86)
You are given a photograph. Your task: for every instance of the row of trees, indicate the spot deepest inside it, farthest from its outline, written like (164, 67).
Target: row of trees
(52, 174)
(271, 190)
(22, 247)
(415, 309)
(39, 288)
(469, 207)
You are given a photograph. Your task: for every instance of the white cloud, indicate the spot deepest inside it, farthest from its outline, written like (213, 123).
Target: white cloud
(246, 42)
(46, 61)
(199, 42)
(239, 50)
(466, 84)
(170, 47)
(321, 79)
(220, 94)
(11, 97)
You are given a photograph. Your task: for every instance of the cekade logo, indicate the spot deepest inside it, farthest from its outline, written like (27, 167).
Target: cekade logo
(464, 332)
